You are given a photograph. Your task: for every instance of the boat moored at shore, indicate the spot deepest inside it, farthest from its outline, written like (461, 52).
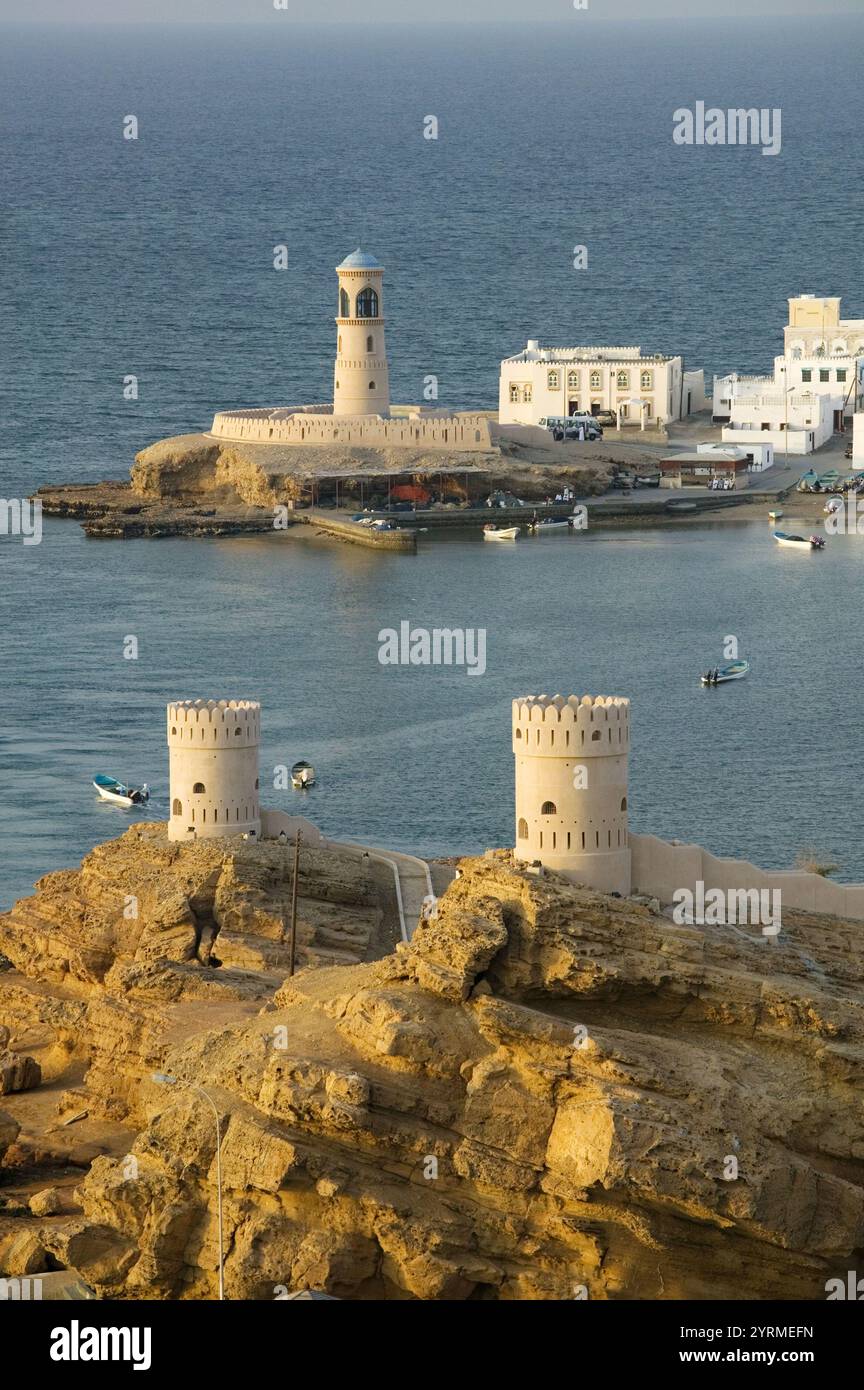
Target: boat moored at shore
(491, 532)
(799, 542)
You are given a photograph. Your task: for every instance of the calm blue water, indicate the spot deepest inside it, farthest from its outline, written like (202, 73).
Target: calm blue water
(155, 258)
(420, 758)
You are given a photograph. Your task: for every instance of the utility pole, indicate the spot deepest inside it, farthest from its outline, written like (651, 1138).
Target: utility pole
(293, 938)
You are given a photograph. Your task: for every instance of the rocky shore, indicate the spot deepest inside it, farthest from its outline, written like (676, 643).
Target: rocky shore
(547, 1094)
(196, 485)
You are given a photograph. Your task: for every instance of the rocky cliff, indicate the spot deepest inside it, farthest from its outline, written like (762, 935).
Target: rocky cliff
(547, 1094)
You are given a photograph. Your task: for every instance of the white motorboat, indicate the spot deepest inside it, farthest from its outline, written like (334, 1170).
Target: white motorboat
(733, 671)
(800, 542)
(539, 526)
(776, 514)
(491, 532)
(111, 790)
(302, 775)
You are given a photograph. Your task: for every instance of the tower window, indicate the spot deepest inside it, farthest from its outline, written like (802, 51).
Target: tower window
(523, 829)
(177, 807)
(623, 803)
(518, 733)
(199, 788)
(238, 731)
(371, 385)
(367, 304)
(597, 734)
(344, 305)
(548, 809)
(340, 342)
(370, 343)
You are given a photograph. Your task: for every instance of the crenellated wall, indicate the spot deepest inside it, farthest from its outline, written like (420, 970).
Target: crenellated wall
(316, 425)
(213, 754)
(571, 787)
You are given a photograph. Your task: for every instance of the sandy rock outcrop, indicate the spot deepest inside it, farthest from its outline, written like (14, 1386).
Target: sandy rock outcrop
(143, 899)
(547, 1092)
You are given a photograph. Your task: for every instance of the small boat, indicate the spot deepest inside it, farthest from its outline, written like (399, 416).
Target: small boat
(539, 526)
(491, 532)
(775, 515)
(800, 542)
(111, 790)
(302, 775)
(733, 671)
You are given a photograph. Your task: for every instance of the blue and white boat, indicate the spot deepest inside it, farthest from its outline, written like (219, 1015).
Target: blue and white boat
(732, 671)
(111, 790)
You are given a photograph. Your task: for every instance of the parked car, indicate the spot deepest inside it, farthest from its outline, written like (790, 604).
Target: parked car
(590, 431)
(607, 417)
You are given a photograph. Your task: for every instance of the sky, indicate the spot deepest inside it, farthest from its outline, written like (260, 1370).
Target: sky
(417, 11)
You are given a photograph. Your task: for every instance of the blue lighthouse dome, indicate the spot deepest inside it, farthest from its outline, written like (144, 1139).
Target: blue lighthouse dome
(359, 260)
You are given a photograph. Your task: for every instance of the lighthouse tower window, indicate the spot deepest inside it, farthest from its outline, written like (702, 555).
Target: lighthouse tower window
(367, 304)
(370, 343)
(344, 305)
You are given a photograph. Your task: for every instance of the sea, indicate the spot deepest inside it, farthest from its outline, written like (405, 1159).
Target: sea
(153, 258)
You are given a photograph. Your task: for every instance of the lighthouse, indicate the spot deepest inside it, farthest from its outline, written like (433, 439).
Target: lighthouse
(361, 379)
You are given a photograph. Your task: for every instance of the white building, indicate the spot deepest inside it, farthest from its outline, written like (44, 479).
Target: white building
(641, 390)
(816, 385)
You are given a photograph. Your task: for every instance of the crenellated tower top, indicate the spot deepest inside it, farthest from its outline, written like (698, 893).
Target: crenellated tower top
(214, 723)
(556, 725)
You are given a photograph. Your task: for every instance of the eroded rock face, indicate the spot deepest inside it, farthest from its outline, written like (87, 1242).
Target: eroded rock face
(18, 1073)
(547, 1090)
(144, 899)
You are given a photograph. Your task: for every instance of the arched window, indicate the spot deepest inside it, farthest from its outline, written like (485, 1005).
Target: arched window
(548, 809)
(256, 784)
(177, 807)
(597, 734)
(596, 381)
(340, 343)
(238, 731)
(367, 304)
(573, 381)
(518, 733)
(623, 381)
(623, 803)
(344, 305)
(646, 381)
(370, 343)
(553, 381)
(523, 829)
(371, 385)
(173, 731)
(199, 788)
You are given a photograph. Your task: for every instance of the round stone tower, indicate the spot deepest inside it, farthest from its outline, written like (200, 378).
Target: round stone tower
(213, 749)
(361, 381)
(571, 787)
